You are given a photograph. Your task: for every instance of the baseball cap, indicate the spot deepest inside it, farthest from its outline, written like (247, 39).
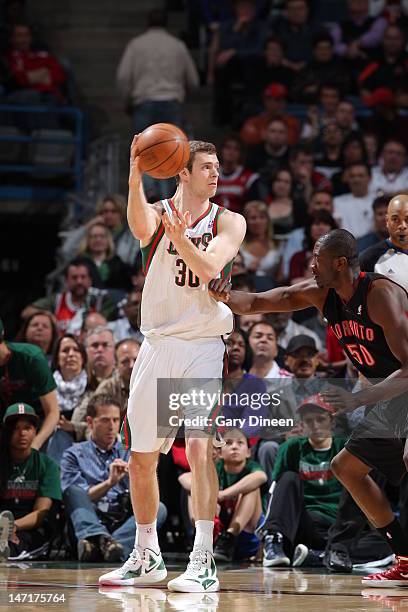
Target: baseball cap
(380, 96)
(316, 401)
(18, 410)
(276, 90)
(300, 341)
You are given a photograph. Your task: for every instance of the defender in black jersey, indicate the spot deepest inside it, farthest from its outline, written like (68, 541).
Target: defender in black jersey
(369, 315)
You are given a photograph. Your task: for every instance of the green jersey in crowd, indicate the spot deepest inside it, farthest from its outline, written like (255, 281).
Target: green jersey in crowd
(38, 476)
(25, 377)
(321, 489)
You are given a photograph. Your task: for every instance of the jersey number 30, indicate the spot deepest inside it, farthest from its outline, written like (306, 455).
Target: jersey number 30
(183, 272)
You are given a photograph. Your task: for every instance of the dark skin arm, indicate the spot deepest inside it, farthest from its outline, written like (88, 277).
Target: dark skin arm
(388, 307)
(282, 299)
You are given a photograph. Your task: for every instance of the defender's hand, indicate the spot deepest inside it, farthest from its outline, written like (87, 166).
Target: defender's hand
(220, 289)
(341, 400)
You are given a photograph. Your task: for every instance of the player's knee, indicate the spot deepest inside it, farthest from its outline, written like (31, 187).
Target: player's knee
(196, 450)
(142, 463)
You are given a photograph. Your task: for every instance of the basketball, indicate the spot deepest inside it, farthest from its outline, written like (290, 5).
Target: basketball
(163, 150)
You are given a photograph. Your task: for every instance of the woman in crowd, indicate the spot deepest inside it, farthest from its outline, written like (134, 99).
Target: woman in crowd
(70, 375)
(111, 211)
(240, 385)
(107, 269)
(280, 201)
(40, 329)
(260, 252)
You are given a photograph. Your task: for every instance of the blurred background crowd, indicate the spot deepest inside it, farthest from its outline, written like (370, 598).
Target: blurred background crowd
(307, 102)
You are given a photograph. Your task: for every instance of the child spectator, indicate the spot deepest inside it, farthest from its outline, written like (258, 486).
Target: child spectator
(305, 498)
(30, 489)
(239, 499)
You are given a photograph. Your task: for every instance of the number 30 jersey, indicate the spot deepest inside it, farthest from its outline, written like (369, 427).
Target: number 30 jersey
(174, 301)
(363, 340)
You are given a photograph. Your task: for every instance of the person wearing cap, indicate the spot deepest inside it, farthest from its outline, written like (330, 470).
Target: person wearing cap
(301, 360)
(274, 102)
(305, 497)
(25, 376)
(30, 489)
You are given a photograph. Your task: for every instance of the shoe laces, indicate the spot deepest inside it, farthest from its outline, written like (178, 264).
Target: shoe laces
(198, 558)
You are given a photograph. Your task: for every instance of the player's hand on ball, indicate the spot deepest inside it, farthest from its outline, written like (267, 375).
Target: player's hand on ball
(220, 289)
(341, 400)
(135, 175)
(175, 227)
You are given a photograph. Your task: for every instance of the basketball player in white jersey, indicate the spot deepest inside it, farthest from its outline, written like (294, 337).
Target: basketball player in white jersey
(186, 242)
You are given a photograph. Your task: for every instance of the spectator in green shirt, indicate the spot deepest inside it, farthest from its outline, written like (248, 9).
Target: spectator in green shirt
(30, 489)
(305, 493)
(26, 377)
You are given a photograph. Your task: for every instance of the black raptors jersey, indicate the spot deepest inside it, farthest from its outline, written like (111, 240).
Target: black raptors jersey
(362, 340)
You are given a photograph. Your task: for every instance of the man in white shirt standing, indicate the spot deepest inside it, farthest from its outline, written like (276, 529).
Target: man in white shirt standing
(391, 175)
(154, 74)
(353, 211)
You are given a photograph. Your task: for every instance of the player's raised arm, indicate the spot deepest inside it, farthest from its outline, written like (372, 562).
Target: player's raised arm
(143, 218)
(282, 299)
(221, 250)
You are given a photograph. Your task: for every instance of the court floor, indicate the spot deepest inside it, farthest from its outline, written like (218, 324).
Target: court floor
(69, 586)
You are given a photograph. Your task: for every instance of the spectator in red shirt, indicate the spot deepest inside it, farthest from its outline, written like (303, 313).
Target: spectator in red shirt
(34, 69)
(235, 182)
(274, 101)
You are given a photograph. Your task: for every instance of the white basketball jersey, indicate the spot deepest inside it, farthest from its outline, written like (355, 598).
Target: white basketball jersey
(174, 301)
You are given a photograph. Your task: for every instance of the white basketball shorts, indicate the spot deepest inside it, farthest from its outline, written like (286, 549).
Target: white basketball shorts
(148, 428)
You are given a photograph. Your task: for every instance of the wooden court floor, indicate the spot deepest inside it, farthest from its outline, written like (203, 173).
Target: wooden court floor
(58, 586)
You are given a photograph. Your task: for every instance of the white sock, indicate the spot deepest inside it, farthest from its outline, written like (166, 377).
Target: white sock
(146, 536)
(204, 535)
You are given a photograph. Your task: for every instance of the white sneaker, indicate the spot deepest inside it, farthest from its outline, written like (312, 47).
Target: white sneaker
(6, 531)
(200, 575)
(144, 566)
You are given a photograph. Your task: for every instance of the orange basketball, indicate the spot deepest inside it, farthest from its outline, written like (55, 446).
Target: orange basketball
(163, 150)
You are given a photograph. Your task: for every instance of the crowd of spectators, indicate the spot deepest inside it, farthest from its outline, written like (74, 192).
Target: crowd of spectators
(64, 381)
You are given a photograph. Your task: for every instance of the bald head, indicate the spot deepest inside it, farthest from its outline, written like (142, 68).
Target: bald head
(397, 220)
